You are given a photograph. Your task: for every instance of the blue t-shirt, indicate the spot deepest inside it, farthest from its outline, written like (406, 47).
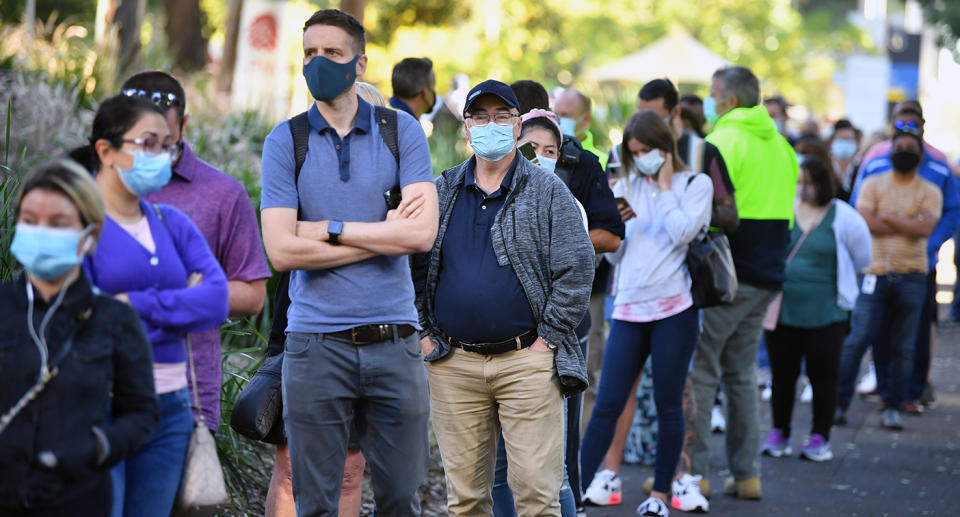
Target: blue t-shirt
(344, 179)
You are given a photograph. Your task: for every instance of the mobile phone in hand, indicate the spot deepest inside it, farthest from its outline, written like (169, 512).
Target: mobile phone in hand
(527, 151)
(392, 197)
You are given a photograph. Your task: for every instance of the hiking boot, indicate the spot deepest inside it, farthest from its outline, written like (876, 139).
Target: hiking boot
(777, 444)
(912, 407)
(687, 496)
(816, 449)
(892, 420)
(744, 489)
(606, 489)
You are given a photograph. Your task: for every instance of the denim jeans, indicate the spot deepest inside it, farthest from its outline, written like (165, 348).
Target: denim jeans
(503, 505)
(146, 484)
(886, 318)
(380, 387)
(670, 342)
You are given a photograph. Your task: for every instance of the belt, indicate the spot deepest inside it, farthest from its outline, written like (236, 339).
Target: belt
(515, 343)
(367, 334)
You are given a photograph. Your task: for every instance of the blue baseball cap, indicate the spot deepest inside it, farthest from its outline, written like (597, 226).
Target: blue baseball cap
(492, 87)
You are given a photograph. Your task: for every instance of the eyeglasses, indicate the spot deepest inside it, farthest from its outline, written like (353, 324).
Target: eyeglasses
(164, 99)
(154, 146)
(500, 117)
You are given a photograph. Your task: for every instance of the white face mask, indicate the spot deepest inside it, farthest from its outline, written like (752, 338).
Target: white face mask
(650, 163)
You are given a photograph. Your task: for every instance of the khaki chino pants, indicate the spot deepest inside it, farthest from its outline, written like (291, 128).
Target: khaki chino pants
(474, 396)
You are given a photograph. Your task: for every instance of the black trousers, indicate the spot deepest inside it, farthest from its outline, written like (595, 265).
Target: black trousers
(822, 346)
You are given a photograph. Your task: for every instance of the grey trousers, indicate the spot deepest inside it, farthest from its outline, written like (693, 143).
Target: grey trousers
(382, 388)
(727, 351)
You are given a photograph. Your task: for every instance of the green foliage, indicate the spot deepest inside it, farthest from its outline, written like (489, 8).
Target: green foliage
(86, 10)
(946, 15)
(386, 16)
(9, 185)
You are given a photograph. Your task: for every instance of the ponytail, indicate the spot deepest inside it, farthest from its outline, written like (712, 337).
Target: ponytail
(86, 156)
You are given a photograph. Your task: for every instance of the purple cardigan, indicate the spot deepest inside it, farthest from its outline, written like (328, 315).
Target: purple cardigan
(156, 283)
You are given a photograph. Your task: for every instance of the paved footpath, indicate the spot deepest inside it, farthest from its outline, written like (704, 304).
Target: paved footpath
(875, 472)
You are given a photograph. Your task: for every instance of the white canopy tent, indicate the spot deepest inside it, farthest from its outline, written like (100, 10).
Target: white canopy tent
(677, 56)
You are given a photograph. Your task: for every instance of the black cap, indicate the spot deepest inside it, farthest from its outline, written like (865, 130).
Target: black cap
(493, 87)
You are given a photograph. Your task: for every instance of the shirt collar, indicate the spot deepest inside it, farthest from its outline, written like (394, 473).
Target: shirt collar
(398, 104)
(362, 123)
(587, 142)
(187, 166)
(470, 179)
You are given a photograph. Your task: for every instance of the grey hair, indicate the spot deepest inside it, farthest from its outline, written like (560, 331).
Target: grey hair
(740, 82)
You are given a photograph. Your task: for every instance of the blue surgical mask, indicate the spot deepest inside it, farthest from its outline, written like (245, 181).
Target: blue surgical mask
(547, 163)
(568, 126)
(326, 79)
(710, 110)
(47, 253)
(150, 173)
(844, 149)
(650, 163)
(492, 141)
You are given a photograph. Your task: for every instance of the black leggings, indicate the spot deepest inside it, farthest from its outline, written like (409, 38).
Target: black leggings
(822, 346)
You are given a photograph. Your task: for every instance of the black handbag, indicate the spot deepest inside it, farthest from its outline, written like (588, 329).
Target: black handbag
(713, 275)
(258, 411)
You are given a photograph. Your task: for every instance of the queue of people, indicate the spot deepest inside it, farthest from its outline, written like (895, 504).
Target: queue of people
(476, 303)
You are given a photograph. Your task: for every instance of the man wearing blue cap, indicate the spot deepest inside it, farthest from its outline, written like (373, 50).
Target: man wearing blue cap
(499, 297)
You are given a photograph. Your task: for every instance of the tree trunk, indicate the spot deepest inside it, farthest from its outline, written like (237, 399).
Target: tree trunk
(129, 16)
(354, 8)
(184, 31)
(229, 59)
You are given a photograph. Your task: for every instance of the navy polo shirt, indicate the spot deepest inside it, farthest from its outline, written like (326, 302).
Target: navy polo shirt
(478, 300)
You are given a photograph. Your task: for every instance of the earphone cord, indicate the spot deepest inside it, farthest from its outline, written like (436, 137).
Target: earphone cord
(45, 375)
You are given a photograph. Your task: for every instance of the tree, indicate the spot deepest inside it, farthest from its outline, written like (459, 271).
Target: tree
(229, 59)
(945, 14)
(184, 31)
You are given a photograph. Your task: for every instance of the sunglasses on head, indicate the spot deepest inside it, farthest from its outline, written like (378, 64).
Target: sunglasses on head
(908, 126)
(163, 99)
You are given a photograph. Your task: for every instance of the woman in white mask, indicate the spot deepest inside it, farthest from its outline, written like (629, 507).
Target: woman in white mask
(665, 208)
(64, 349)
(154, 258)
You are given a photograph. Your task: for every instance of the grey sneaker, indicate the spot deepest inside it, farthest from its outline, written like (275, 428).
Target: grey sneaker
(892, 420)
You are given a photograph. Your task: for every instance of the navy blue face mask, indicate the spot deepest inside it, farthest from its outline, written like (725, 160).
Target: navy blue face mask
(327, 79)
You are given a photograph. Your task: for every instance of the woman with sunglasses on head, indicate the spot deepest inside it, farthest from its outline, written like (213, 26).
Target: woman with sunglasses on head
(155, 259)
(64, 349)
(665, 208)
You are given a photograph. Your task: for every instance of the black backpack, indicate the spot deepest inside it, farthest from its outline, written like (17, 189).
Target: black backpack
(569, 159)
(258, 410)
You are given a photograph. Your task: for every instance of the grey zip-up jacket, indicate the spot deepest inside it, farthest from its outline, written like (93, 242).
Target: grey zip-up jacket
(538, 232)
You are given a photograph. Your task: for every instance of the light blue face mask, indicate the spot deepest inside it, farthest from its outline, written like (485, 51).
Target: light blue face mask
(47, 253)
(492, 141)
(568, 126)
(150, 173)
(710, 110)
(844, 149)
(650, 163)
(547, 163)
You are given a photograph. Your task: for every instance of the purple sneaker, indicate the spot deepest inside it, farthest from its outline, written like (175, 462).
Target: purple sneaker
(777, 444)
(816, 449)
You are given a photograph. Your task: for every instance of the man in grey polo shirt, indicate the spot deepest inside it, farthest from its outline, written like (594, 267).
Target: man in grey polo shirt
(352, 350)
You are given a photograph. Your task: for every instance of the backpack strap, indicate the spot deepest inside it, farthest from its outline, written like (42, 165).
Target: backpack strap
(387, 120)
(300, 131)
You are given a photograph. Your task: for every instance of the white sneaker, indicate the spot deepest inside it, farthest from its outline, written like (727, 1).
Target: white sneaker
(687, 496)
(653, 507)
(868, 383)
(606, 489)
(718, 423)
(807, 395)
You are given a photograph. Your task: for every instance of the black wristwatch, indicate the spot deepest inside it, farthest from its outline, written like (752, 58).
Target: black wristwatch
(334, 229)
